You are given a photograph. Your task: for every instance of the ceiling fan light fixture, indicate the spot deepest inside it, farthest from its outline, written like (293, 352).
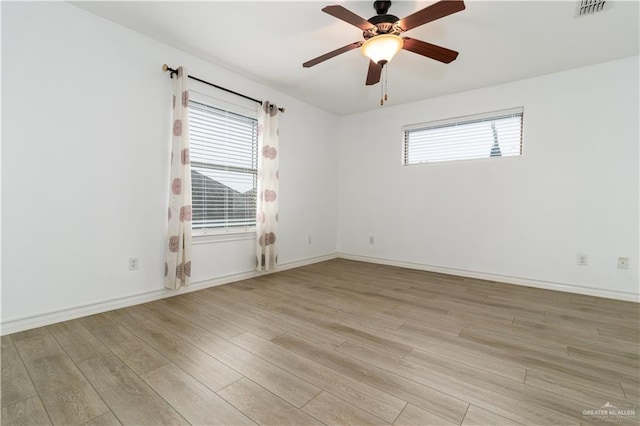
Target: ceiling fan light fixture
(381, 48)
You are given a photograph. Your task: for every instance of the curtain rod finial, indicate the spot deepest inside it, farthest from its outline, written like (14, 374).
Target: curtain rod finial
(165, 67)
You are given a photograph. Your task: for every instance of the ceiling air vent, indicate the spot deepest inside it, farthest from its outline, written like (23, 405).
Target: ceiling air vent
(589, 7)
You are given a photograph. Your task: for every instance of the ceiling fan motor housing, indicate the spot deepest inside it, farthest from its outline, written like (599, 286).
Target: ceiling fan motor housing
(383, 22)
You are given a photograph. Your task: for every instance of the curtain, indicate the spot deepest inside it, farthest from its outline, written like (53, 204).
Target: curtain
(177, 269)
(267, 195)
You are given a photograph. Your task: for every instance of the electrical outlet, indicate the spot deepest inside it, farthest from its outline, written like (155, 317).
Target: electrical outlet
(582, 259)
(133, 263)
(372, 239)
(623, 263)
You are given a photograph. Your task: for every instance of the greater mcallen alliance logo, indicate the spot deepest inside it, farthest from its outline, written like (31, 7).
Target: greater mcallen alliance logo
(609, 413)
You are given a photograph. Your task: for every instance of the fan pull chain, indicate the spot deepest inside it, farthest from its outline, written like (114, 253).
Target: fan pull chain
(384, 87)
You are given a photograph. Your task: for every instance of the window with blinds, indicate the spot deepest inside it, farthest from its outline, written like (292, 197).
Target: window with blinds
(495, 134)
(224, 161)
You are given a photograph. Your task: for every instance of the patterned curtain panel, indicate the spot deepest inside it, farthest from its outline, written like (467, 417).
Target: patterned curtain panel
(267, 196)
(177, 269)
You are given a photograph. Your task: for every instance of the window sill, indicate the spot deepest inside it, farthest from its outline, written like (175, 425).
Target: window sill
(222, 235)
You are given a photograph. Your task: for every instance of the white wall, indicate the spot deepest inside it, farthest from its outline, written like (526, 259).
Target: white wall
(521, 220)
(85, 113)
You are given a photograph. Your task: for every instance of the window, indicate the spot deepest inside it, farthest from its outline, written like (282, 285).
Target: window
(223, 151)
(495, 134)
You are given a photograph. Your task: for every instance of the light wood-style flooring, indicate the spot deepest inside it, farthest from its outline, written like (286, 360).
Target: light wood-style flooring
(338, 342)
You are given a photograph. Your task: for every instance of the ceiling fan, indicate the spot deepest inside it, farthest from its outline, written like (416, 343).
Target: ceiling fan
(381, 34)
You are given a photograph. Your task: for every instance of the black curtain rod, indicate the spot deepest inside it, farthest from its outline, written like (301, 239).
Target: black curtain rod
(173, 71)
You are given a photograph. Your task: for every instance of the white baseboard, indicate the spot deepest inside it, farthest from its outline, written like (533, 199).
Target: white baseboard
(27, 323)
(529, 282)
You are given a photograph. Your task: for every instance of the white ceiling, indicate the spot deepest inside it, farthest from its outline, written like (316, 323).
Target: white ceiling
(498, 41)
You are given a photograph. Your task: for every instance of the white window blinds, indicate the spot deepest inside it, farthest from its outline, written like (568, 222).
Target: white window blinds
(496, 134)
(223, 151)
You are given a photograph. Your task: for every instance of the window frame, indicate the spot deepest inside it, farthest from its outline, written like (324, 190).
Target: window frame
(460, 121)
(225, 233)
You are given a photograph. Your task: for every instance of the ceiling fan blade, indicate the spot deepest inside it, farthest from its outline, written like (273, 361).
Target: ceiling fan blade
(331, 54)
(429, 50)
(348, 16)
(431, 13)
(374, 73)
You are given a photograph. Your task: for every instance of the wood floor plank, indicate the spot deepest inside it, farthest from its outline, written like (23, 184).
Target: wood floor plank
(410, 330)
(6, 342)
(29, 334)
(367, 398)
(291, 325)
(64, 391)
(28, 412)
(604, 319)
(588, 396)
(282, 383)
(628, 310)
(130, 398)
(274, 298)
(426, 340)
(571, 335)
(625, 333)
(505, 397)
(484, 307)
(444, 362)
(194, 401)
(563, 403)
(138, 355)
(343, 301)
(363, 297)
(392, 347)
(77, 341)
(574, 306)
(536, 359)
(414, 416)
(107, 419)
(93, 322)
(331, 410)
(631, 390)
(238, 319)
(408, 300)
(430, 399)
(620, 363)
(376, 320)
(55, 371)
(37, 347)
(461, 312)
(491, 365)
(126, 317)
(446, 323)
(214, 324)
(262, 406)
(66, 394)
(545, 325)
(205, 368)
(478, 417)
(16, 384)
(516, 340)
(286, 295)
